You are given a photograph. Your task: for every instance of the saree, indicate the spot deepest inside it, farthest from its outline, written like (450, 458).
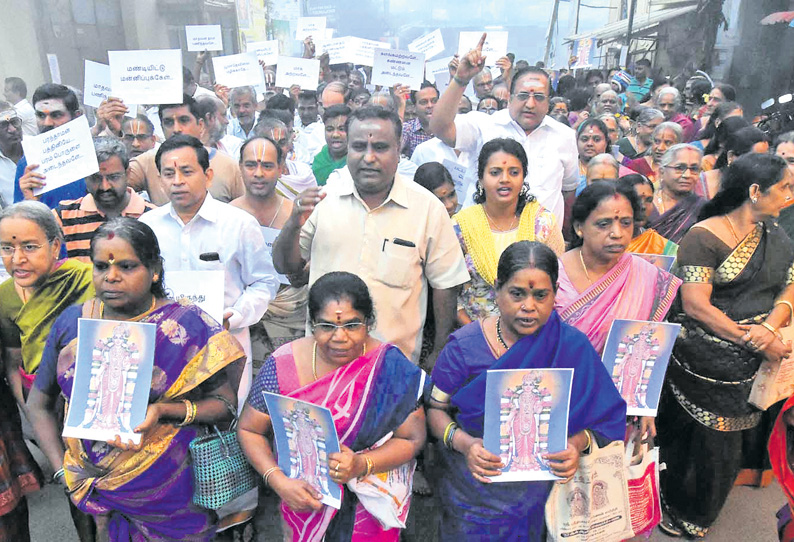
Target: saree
(632, 290)
(703, 412)
(674, 224)
(650, 242)
(513, 511)
(27, 325)
(481, 253)
(146, 495)
(369, 398)
(641, 166)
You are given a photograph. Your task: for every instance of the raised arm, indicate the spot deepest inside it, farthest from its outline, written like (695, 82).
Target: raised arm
(287, 257)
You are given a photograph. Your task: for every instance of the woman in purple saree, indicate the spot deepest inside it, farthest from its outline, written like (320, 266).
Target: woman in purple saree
(526, 334)
(139, 493)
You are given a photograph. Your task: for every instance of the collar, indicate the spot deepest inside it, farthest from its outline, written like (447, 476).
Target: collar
(208, 211)
(136, 205)
(398, 193)
(503, 118)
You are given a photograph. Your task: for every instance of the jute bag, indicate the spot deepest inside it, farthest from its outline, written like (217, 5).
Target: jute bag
(594, 506)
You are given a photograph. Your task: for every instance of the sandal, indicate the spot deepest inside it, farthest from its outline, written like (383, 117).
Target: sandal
(668, 527)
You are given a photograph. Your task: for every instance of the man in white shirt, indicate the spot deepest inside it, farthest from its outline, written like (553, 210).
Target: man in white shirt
(550, 146)
(213, 111)
(16, 92)
(197, 232)
(10, 150)
(310, 138)
(243, 103)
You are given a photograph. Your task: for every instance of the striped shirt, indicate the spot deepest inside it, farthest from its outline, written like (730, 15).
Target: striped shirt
(79, 219)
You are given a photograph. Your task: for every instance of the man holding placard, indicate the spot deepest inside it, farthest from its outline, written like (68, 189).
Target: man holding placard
(550, 146)
(243, 102)
(137, 134)
(213, 112)
(185, 118)
(55, 105)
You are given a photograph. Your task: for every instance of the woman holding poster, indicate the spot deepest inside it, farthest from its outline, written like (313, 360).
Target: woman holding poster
(526, 333)
(144, 491)
(374, 394)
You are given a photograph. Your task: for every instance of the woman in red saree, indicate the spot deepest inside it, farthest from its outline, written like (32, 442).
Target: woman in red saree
(373, 393)
(664, 136)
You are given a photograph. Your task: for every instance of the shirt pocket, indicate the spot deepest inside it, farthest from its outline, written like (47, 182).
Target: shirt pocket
(398, 265)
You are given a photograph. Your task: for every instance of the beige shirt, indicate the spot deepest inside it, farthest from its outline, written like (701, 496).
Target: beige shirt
(227, 183)
(343, 234)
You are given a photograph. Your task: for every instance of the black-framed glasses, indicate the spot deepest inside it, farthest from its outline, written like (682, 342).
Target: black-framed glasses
(326, 328)
(524, 96)
(681, 169)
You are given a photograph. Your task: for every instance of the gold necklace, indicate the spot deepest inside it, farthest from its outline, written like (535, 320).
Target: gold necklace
(660, 199)
(586, 274)
(492, 222)
(314, 358)
(730, 227)
(134, 318)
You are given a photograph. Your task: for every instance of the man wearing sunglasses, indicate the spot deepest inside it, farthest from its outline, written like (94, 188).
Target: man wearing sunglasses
(10, 150)
(550, 146)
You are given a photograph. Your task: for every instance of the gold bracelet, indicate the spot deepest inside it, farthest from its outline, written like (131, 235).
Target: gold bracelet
(589, 442)
(771, 328)
(370, 465)
(188, 413)
(268, 472)
(790, 308)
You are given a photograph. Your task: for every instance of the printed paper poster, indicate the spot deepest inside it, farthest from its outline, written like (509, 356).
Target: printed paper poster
(205, 37)
(526, 416)
(266, 51)
(64, 154)
(310, 26)
(305, 436)
(391, 67)
(202, 288)
(304, 72)
(147, 77)
(240, 70)
(636, 356)
(495, 46)
(662, 261)
(97, 87)
(112, 378)
(430, 45)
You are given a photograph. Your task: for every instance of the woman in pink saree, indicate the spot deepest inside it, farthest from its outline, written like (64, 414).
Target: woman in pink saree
(373, 392)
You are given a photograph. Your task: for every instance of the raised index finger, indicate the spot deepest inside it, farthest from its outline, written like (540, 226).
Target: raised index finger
(481, 43)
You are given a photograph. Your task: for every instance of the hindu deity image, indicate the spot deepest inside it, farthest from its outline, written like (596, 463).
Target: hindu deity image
(114, 370)
(634, 362)
(308, 456)
(600, 495)
(578, 502)
(523, 423)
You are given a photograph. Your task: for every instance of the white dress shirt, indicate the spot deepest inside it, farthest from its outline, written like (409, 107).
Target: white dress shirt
(551, 152)
(28, 116)
(8, 172)
(234, 128)
(309, 141)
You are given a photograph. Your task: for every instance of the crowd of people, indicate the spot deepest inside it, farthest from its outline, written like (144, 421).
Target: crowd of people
(382, 250)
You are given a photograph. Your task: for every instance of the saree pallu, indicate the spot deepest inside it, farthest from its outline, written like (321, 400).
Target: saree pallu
(650, 242)
(513, 511)
(70, 283)
(146, 495)
(704, 416)
(674, 224)
(369, 398)
(632, 290)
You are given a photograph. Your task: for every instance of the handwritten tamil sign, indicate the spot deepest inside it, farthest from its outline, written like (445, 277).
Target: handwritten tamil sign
(64, 154)
(97, 86)
(303, 72)
(205, 37)
(392, 67)
(495, 45)
(238, 70)
(202, 288)
(310, 26)
(431, 44)
(147, 77)
(266, 51)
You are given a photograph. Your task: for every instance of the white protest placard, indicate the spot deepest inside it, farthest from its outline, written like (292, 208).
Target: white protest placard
(55, 68)
(442, 80)
(270, 235)
(303, 72)
(336, 48)
(310, 26)
(458, 173)
(147, 77)
(204, 37)
(431, 44)
(362, 52)
(266, 51)
(96, 88)
(436, 66)
(64, 154)
(203, 288)
(239, 70)
(392, 67)
(495, 45)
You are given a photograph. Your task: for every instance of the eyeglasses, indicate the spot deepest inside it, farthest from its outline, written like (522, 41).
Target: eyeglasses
(16, 122)
(111, 178)
(7, 251)
(524, 96)
(325, 328)
(789, 160)
(681, 169)
(140, 138)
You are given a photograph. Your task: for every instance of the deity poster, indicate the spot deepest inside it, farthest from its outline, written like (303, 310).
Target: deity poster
(662, 261)
(526, 417)
(113, 375)
(636, 356)
(305, 436)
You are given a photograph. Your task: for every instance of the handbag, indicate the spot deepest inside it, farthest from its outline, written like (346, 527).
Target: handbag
(643, 482)
(594, 505)
(221, 472)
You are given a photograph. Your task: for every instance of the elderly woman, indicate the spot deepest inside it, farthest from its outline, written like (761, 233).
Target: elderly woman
(371, 389)
(646, 240)
(738, 291)
(638, 143)
(525, 333)
(664, 136)
(505, 212)
(42, 285)
(137, 492)
(669, 102)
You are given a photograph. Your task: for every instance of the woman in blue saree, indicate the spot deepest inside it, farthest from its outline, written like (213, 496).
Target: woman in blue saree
(139, 493)
(527, 334)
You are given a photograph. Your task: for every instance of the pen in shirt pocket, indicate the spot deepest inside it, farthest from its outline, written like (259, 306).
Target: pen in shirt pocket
(398, 241)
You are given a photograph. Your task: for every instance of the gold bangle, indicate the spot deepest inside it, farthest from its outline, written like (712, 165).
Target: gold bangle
(770, 327)
(268, 472)
(188, 413)
(370, 465)
(790, 308)
(586, 449)
(449, 427)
